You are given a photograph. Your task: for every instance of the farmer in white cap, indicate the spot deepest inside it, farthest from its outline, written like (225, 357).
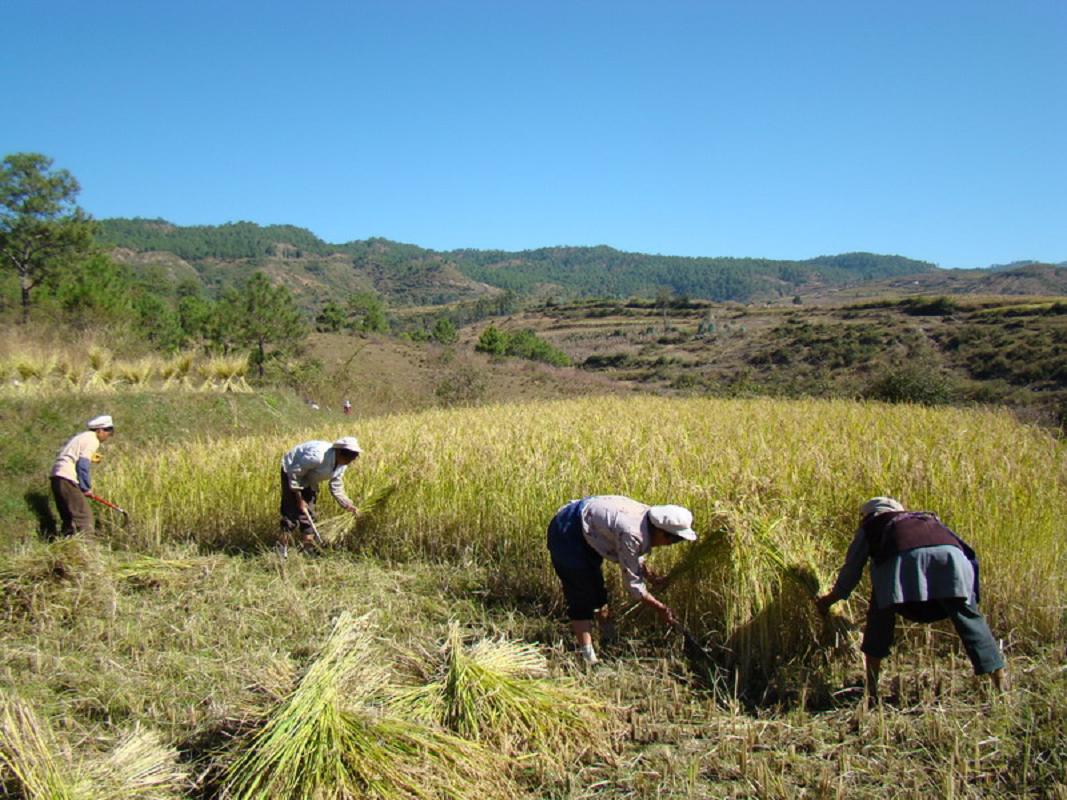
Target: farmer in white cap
(920, 570)
(585, 532)
(303, 468)
(70, 475)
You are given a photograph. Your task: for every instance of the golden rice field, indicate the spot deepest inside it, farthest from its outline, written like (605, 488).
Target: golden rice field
(774, 486)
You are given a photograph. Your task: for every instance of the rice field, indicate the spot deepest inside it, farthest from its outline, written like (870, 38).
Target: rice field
(423, 653)
(773, 485)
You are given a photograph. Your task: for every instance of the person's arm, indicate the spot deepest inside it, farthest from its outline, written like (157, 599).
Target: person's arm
(81, 467)
(337, 489)
(850, 573)
(651, 577)
(633, 571)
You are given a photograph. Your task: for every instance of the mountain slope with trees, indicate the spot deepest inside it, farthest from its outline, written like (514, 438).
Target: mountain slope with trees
(408, 274)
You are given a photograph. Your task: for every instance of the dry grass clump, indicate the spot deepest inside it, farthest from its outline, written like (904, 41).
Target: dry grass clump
(330, 739)
(74, 567)
(36, 766)
(225, 374)
(35, 370)
(498, 692)
(137, 374)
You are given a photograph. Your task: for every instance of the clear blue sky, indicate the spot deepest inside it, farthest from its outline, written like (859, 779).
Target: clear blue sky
(933, 129)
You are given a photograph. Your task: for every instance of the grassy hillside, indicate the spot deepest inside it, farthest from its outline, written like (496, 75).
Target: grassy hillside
(961, 349)
(184, 634)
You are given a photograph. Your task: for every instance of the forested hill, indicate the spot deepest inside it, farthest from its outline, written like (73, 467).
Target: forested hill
(552, 271)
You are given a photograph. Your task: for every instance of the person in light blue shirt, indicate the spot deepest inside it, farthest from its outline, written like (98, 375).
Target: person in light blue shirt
(585, 532)
(921, 571)
(303, 469)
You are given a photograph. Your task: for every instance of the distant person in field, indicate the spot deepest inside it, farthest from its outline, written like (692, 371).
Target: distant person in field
(70, 477)
(585, 532)
(347, 407)
(922, 571)
(303, 469)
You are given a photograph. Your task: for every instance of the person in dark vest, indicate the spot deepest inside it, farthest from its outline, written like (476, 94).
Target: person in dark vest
(585, 532)
(922, 571)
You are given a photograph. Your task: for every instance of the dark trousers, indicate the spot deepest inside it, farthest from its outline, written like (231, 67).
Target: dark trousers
(292, 518)
(73, 507)
(577, 565)
(973, 630)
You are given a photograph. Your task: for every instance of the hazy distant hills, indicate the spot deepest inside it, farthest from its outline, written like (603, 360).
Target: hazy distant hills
(411, 275)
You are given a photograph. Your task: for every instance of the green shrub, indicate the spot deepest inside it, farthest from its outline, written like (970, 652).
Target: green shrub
(911, 383)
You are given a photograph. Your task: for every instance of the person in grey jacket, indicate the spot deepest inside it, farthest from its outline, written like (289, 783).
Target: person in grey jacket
(920, 570)
(585, 532)
(303, 468)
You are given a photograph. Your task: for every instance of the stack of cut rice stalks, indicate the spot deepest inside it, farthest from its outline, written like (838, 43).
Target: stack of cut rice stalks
(37, 766)
(498, 692)
(332, 739)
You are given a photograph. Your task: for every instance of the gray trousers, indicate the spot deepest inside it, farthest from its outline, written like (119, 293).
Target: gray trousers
(973, 630)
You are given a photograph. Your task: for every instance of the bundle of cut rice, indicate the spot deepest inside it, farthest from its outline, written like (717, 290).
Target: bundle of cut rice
(498, 692)
(330, 739)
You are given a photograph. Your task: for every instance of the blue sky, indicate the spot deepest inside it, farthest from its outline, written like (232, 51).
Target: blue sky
(936, 130)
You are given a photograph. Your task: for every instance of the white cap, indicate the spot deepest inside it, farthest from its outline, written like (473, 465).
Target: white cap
(880, 505)
(348, 443)
(103, 421)
(676, 520)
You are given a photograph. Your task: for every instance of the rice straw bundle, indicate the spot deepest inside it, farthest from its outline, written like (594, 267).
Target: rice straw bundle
(141, 766)
(31, 759)
(39, 768)
(497, 692)
(322, 742)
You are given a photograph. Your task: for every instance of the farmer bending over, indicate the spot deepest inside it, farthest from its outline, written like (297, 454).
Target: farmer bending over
(920, 570)
(585, 532)
(70, 475)
(303, 468)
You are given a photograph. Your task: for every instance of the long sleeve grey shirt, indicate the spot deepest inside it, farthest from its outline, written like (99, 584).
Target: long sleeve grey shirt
(617, 528)
(310, 463)
(924, 573)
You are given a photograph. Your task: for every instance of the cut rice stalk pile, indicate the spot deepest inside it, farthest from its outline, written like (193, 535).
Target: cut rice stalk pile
(140, 766)
(35, 766)
(74, 567)
(329, 739)
(31, 762)
(497, 692)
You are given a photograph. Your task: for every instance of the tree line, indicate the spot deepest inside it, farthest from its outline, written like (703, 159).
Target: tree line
(563, 272)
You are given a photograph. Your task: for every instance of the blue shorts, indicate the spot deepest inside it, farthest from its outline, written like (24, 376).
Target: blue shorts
(576, 563)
